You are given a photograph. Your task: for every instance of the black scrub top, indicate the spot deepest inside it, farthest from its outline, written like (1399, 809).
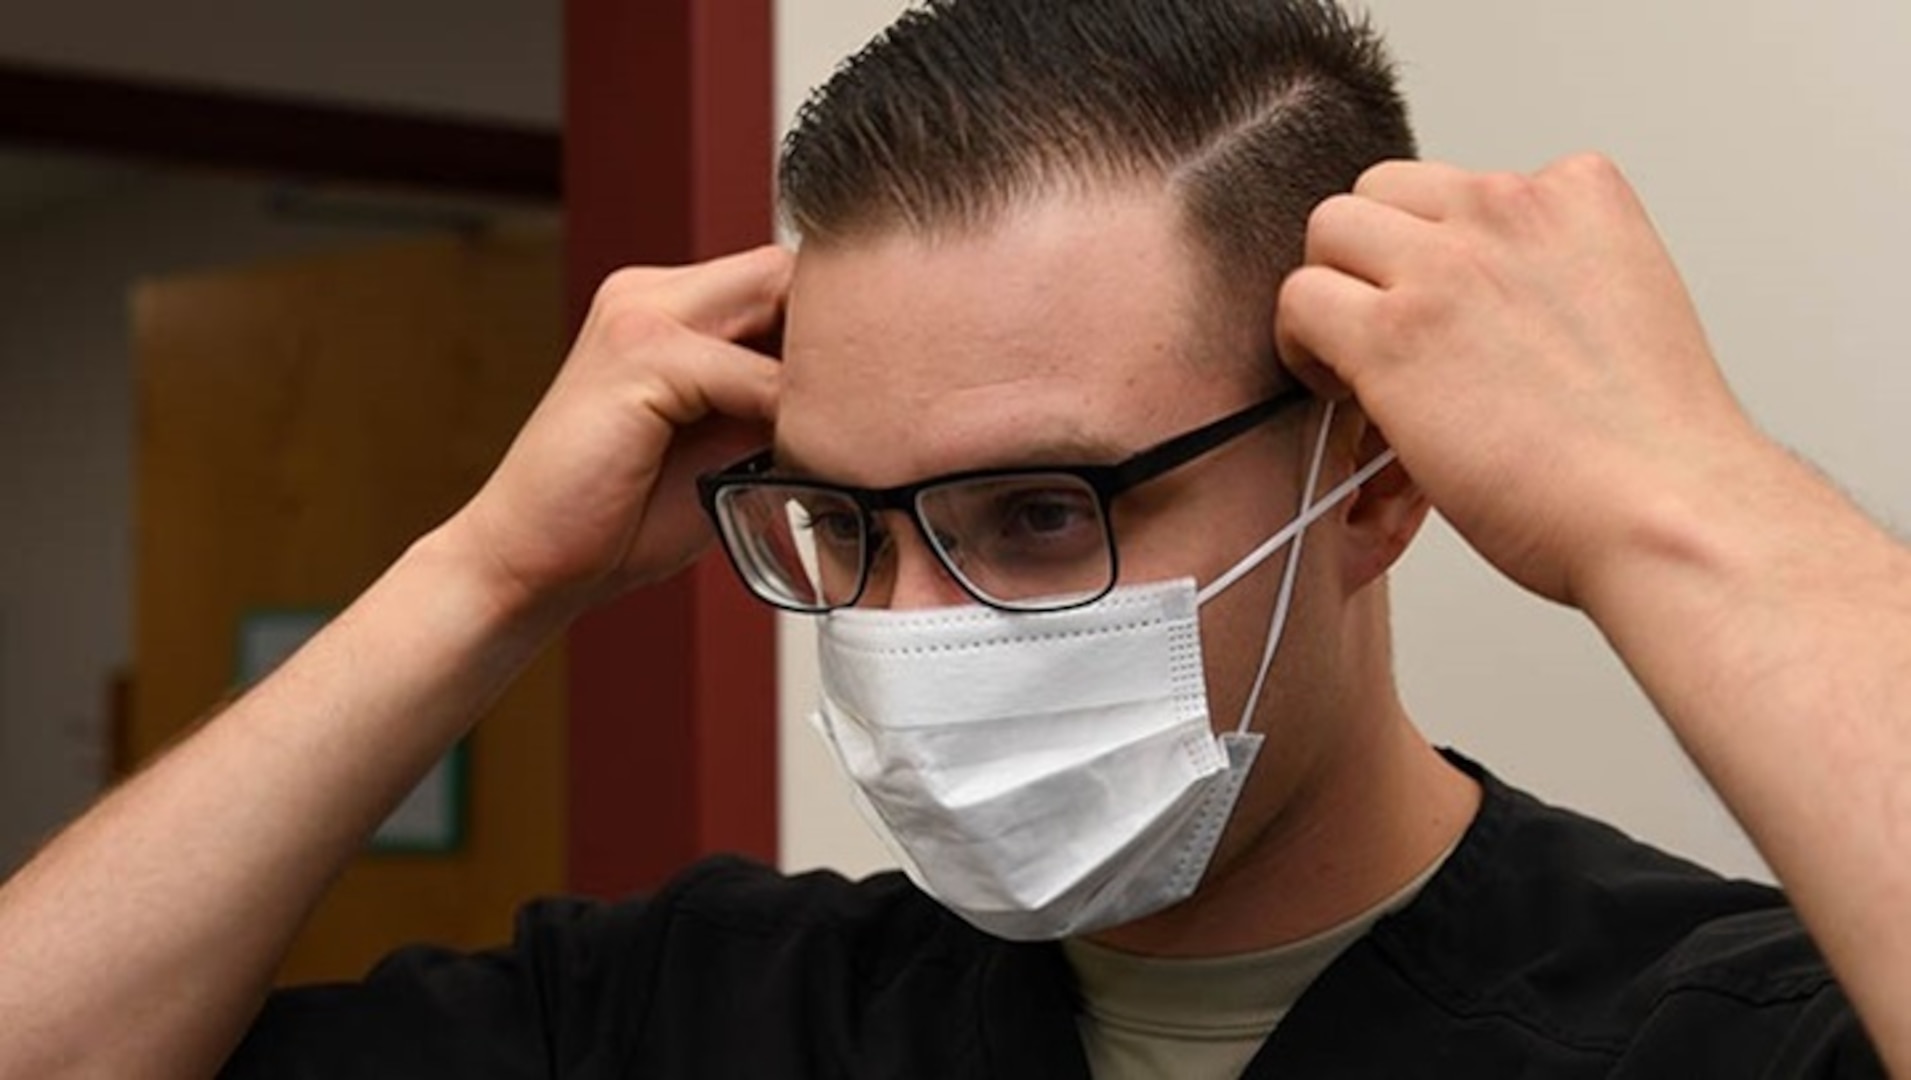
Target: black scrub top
(1549, 945)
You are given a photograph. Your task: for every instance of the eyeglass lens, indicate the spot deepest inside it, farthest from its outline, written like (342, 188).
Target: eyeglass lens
(1030, 541)
(1026, 540)
(797, 547)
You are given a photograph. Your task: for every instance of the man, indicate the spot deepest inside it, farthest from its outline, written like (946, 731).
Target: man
(1105, 637)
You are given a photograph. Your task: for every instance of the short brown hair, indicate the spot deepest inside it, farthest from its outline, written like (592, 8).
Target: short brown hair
(1252, 110)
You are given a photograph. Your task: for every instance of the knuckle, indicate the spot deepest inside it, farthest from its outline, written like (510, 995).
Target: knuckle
(1331, 213)
(1291, 300)
(1508, 201)
(1591, 177)
(1408, 317)
(636, 325)
(626, 282)
(1591, 167)
(773, 259)
(1503, 190)
(628, 312)
(1376, 176)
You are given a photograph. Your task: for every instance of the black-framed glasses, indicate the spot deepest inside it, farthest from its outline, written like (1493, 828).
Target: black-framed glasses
(1035, 538)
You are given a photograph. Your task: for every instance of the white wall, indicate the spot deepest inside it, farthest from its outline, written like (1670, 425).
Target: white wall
(66, 452)
(1771, 140)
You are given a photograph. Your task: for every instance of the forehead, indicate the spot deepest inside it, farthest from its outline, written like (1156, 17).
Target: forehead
(1070, 323)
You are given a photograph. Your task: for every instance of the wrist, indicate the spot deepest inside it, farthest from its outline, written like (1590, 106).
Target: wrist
(1749, 523)
(503, 604)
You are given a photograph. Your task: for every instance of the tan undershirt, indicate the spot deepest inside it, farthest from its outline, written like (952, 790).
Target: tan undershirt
(1152, 1017)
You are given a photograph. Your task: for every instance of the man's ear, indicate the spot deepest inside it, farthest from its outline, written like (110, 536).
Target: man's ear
(1380, 519)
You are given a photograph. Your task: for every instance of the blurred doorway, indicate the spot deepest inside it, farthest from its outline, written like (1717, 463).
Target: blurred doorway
(300, 423)
(105, 185)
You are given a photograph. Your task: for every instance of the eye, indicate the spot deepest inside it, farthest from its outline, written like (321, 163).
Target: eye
(1037, 514)
(1048, 526)
(837, 528)
(1017, 526)
(1047, 514)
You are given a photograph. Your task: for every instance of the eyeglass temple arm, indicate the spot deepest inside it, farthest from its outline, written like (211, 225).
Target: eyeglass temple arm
(1151, 463)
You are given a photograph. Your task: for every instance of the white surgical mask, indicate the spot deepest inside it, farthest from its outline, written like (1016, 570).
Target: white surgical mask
(1050, 774)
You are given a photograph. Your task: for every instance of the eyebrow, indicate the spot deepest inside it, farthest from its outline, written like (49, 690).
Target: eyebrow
(1064, 450)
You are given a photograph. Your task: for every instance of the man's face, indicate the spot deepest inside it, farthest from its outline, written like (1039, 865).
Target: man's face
(1076, 330)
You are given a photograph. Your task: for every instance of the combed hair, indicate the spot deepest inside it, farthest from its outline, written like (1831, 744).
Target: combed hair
(1253, 111)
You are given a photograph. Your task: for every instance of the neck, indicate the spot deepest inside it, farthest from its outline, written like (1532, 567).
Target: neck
(1357, 822)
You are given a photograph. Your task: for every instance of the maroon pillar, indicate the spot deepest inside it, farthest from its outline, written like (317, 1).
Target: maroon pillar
(667, 159)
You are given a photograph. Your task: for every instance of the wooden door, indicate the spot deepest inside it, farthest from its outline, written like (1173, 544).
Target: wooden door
(300, 424)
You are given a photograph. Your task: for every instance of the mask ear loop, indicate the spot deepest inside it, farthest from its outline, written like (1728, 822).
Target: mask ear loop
(1295, 530)
(1289, 573)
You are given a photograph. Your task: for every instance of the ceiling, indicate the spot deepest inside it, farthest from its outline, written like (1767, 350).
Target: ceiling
(486, 60)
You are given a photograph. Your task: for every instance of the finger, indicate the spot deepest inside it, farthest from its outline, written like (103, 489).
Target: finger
(1587, 168)
(735, 296)
(1320, 328)
(716, 377)
(717, 443)
(1604, 199)
(732, 297)
(1370, 240)
(1432, 190)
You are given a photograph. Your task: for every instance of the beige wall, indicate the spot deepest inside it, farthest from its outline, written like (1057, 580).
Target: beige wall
(819, 826)
(1770, 139)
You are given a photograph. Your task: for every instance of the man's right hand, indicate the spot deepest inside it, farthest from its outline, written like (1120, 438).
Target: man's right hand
(141, 941)
(597, 492)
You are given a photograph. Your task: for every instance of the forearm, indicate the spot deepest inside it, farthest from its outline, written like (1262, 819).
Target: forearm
(141, 941)
(1771, 624)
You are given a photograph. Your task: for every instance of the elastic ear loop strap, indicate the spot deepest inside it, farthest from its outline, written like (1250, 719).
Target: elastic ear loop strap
(1296, 532)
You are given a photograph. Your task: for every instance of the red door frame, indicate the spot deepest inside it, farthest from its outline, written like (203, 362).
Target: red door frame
(668, 159)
